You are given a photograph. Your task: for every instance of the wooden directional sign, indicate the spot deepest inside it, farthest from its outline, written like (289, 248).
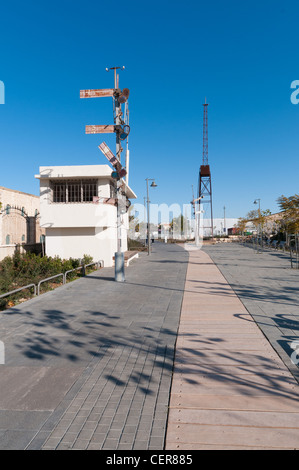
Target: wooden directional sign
(102, 129)
(96, 93)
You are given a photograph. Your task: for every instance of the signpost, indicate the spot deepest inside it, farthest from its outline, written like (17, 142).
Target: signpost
(121, 129)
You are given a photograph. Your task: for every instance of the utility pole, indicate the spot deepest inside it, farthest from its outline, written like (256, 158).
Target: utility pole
(122, 130)
(117, 121)
(153, 185)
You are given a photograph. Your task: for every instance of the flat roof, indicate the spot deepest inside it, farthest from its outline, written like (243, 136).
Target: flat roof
(81, 171)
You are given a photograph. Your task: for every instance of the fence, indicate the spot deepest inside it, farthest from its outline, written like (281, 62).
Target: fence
(18, 290)
(37, 287)
(289, 248)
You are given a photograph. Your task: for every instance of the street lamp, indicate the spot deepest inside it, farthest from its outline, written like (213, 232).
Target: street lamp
(197, 213)
(258, 201)
(153, 185)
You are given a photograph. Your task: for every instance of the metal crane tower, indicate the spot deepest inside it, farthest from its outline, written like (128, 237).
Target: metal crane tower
(205, 182)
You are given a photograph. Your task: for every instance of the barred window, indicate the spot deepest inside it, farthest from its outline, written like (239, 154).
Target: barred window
(59, 192)
(74, 190)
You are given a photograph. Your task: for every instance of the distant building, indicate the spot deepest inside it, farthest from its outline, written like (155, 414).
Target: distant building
(19, 221)
(79, 212)
(221, 226)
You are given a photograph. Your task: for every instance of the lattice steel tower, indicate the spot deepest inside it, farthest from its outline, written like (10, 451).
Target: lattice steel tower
(205, 182)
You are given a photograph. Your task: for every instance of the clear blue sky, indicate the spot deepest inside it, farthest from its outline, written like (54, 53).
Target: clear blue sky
(242, 56)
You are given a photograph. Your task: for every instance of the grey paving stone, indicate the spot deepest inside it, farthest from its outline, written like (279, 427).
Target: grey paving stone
(115, 343)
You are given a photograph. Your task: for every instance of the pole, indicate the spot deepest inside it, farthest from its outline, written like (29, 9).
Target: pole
(119, 255)
(148, 220)
(127, 145)
(153, 185)
(145, 229)
(118, 151)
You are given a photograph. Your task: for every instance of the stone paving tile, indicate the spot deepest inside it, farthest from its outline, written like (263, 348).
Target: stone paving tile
(108, 350)
(119, 341)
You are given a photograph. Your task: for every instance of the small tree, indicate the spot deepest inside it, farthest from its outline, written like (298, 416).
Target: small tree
(259, 219)
(179, 225)
(241, 225)
(290, 215)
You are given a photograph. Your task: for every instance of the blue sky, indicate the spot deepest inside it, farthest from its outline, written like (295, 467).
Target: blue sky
(242, 56)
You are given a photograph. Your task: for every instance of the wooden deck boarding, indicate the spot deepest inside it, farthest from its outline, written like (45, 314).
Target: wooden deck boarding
(230, 389)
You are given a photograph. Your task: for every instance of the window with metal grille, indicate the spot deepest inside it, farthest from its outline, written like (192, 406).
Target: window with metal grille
(69, 191)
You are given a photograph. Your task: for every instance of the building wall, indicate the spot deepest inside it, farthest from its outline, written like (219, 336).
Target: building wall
(76, 242)
(220, 225)
(75, 229)
(20, 224)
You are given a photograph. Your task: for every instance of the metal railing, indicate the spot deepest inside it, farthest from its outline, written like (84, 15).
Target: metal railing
(18, 290)
(83, 267)
(70, 271)
(48, 279)
(64, 275)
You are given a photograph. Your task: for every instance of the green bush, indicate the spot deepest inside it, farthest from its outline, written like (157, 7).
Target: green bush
(20, 270)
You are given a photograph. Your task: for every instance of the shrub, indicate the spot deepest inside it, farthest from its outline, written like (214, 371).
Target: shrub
(20, 270)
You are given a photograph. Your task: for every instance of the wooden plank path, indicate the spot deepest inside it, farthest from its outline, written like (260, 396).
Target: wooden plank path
(230, 388)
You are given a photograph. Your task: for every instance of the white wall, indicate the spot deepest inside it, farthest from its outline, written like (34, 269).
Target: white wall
(77, 215)
(9, 250)
(77, 242)
(76, 229)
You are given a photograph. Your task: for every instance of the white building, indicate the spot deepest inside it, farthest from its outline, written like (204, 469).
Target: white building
(220, 226)
(79, 211)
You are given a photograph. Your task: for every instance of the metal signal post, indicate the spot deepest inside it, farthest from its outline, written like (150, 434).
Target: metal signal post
(118, 122)
(122, 130)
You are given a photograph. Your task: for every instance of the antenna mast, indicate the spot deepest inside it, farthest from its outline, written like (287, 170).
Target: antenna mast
(205, 182)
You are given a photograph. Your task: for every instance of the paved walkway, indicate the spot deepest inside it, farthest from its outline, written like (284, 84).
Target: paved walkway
(230, 389)
(89, 365)
(170, 359)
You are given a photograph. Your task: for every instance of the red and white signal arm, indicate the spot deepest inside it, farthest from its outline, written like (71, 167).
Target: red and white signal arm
(112, 159)
(99, 129)
(108, 154)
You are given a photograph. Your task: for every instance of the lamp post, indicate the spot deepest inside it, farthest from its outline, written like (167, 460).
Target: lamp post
(197, 213)
(258, 201)
(153, 185)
